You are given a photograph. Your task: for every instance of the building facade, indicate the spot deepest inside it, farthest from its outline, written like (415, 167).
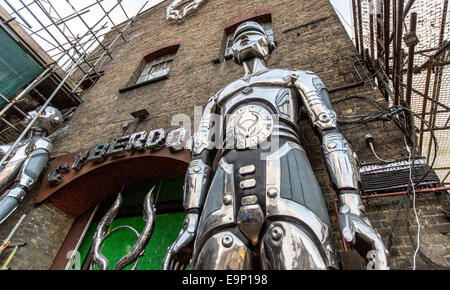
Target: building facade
(171, 68)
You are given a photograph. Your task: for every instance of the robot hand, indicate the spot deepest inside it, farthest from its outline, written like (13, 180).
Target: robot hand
(174, 14)
(180, 252)
(364, 238)
(191, 6)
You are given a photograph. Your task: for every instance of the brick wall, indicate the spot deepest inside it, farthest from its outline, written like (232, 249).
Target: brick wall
(309, 36)
(43, 230)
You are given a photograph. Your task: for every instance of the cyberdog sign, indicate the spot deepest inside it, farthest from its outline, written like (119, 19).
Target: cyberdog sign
(137, 142)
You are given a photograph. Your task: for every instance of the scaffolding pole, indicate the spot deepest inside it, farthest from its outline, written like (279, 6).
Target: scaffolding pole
(109, 47)
(12, 148)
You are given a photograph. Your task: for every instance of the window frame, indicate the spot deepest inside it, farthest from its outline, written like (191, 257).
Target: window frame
(162, 65)
(162, 55)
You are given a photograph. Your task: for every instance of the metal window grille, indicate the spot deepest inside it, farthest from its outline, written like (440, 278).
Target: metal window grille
(156, 68)
(267, 27)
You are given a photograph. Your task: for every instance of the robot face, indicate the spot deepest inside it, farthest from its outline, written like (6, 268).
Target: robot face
(250, 40)
(49, 119)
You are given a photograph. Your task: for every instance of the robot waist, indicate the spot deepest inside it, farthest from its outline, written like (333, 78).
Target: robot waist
(264, 139)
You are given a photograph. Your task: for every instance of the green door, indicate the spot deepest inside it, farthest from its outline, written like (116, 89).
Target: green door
(169, 220)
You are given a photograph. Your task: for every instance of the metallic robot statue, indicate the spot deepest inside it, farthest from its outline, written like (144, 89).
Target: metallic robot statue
(264, 207)
(28, 160)
(179, 9)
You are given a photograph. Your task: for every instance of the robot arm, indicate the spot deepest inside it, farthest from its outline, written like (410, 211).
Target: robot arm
(4, 149)
(199, 172)
(197, 181)
(29, 174)
(342, 165)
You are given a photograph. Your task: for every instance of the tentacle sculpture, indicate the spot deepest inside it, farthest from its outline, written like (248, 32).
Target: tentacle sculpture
(101, 234)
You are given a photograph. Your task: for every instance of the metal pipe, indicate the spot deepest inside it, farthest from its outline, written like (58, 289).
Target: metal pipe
(405, 13)
(444, 47)
(85, 24)
(10, 125)
(426, 190)
(352, 85)
(51, 35)
(62, 21)
(14, 106)
(446, 176)
(18, 14)
(355, 25)
(124, 12)
(107, 50)
(386, 23)
(40, 23)
(107, 15)
(371, 31)
(100, 20)
(43, 76)
(378, 8)
(397, 51)
(437, 129)
(361, 43)
(9, 259)
(424, 104)
(12, 233)
(9, 152)
(409, 74)
(70, 17)
(38, 3)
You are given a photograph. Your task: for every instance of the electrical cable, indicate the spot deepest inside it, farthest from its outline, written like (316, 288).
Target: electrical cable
(411, 169)
(417, 183)
(412, 186)
(375, 153)
(418, 250)
(393, 111)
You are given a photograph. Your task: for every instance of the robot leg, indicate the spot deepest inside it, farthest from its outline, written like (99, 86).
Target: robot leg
(223, 251)
(287, 246)
(31, 171)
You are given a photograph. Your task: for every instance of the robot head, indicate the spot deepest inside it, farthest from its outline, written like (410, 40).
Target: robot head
(250, 40)
(49, 119)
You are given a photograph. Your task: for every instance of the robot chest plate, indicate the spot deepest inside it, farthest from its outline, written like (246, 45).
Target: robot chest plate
(280, 101)
(252, 114)
(249, 126)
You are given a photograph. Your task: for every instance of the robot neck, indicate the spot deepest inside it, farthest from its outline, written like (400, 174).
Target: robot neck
(38, 133)
(254, 65)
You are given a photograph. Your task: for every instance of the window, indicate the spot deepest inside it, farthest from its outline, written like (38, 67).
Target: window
(228, 51)
(154, 66)
(156, 69)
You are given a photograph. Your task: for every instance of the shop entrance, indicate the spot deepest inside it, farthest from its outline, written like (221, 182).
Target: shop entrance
(169, 219)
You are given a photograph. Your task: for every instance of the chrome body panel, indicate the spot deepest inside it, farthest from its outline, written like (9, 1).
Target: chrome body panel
(223, 251)
(225, 215)
(286, 246)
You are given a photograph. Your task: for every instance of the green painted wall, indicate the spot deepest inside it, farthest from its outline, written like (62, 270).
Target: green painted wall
(166, 230)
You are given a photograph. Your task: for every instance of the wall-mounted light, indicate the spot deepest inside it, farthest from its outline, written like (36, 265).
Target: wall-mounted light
(140, 114)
